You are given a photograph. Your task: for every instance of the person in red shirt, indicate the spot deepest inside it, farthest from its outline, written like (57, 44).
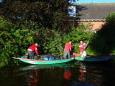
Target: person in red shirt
(67, 50)
(32, 50)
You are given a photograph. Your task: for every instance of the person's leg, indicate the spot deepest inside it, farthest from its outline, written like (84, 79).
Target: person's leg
(31, 55)
(68, 55)
(83, 54)
(65, 55)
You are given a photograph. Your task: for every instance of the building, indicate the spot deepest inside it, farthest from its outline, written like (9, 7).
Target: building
(94, 14)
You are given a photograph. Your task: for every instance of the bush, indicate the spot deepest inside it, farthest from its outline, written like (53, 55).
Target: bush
(50, 41)
(103, 42)
(13, 40)
(77, 34)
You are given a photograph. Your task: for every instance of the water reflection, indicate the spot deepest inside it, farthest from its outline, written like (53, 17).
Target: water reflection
(70, 80)
(44, 66)
(33, 78)
(44, 75)
(82, 72)
(79, 74)
(95, 74)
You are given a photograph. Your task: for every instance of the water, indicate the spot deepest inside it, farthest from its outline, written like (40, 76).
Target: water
(75, 74)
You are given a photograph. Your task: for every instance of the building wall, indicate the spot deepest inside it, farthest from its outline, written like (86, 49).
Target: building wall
(94, 25)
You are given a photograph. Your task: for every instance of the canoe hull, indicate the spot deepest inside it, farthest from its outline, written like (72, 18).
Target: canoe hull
(93, 59)
(37, 62)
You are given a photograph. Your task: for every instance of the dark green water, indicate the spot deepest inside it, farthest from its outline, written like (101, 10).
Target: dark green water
(76, 74)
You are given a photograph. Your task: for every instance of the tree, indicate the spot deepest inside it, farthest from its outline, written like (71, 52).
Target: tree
(46, 13)
(103, 42)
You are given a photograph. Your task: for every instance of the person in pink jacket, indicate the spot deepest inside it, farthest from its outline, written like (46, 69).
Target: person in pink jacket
(67, 50)
(82, 47)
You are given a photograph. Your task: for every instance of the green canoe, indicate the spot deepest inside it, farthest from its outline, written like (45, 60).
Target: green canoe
(37, 62)
(94, 59)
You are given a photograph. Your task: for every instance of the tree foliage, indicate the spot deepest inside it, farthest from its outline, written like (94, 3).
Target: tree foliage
(46, 13)
(103, 42)
(23, 22)
(77, 34)
(13, 40)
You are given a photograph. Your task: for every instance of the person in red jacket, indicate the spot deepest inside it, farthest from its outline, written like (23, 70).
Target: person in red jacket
(67, 50)
(32, 50)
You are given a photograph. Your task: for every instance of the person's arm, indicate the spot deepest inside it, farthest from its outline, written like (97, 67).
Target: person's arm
(70, 47)
(85, 46)
(36, 51)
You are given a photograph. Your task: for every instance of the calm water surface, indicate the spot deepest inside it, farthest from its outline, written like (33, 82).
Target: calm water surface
(77, 74)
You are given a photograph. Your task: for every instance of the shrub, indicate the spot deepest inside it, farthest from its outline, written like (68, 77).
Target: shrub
(80, 33)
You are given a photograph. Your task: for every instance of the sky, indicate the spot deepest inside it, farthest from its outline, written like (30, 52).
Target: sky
(94, 1)
(0, 1)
